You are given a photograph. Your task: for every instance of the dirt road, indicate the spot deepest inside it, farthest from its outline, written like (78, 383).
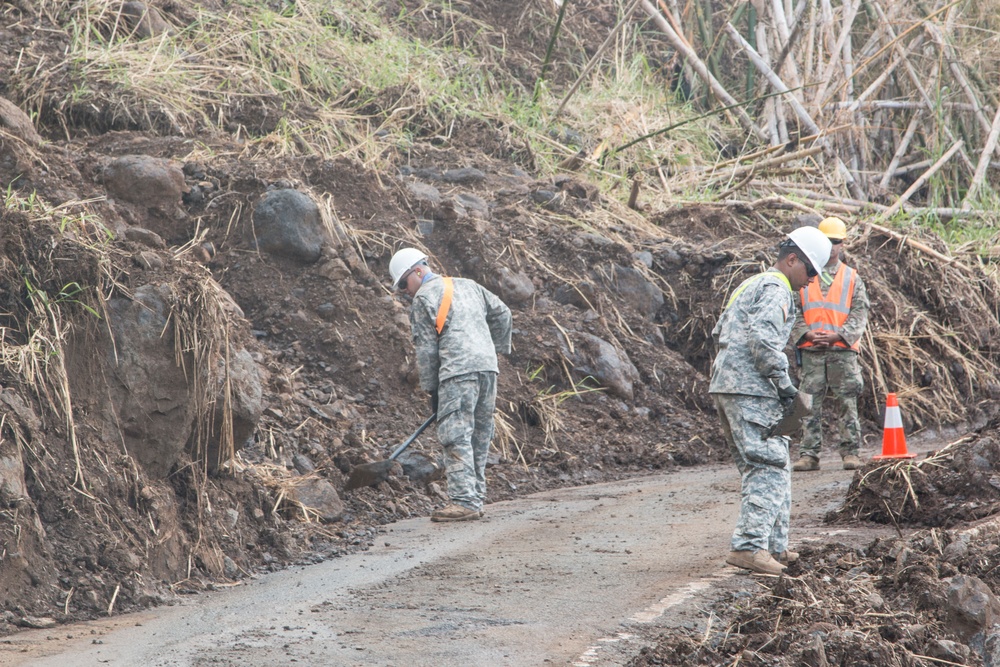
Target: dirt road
(575, 576)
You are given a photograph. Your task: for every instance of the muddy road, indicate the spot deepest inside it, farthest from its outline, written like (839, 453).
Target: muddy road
(576, 576)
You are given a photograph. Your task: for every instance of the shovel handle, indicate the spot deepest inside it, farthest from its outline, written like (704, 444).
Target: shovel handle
(409, 441)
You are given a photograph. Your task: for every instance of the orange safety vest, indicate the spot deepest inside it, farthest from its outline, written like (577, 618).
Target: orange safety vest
(829, 312)
(442, 317)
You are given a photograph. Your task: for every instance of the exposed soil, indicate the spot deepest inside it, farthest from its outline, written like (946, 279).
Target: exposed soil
(91, 527)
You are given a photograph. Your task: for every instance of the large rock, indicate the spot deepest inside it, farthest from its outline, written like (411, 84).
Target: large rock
(971, 605)
(603, 361)
(319, 497)
(150, 181)
(420, 467)
(633, 288)
(15, 121)
(514, 288)
(289, 224)
(152, 399)
(144, 20)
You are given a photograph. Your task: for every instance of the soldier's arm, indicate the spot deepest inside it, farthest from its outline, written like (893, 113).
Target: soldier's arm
(767, 317)
(425, 343)
(499, 320)
(857, 319)
(800, 329)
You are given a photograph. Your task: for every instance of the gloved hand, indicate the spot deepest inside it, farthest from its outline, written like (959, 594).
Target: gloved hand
(434, 401)
(787, 392)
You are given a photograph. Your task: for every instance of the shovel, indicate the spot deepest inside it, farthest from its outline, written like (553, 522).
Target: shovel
(791, 422)
(370, 474)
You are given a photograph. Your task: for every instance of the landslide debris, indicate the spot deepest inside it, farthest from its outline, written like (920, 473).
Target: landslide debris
(197, 339)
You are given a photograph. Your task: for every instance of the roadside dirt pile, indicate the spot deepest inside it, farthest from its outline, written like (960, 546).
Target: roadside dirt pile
(957, 484)
(925, 600)
(199, 343)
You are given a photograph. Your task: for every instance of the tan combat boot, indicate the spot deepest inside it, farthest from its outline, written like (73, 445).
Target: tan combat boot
(786, 557)
(851, 462)
(805, 463)
(454, 512)
(760, 561)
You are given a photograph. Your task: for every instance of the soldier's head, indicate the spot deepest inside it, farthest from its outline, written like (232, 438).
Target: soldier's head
(802, 255)
(835, 230)
(408, 268)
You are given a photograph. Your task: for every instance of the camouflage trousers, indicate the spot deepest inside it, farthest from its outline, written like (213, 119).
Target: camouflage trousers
(765, 470)
(838, 373)
(465, 428)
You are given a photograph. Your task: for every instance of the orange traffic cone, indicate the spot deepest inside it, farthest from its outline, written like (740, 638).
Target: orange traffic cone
(893, 437)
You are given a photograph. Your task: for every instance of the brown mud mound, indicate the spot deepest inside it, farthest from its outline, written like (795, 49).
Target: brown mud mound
(956, 484)
(897, 603)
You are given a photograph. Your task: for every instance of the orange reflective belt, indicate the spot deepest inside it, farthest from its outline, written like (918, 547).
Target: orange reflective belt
(449, 288)
(829, 312)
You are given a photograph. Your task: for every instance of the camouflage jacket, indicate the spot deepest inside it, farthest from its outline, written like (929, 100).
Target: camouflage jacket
(751, 336)
(857, 319)
(477, 329)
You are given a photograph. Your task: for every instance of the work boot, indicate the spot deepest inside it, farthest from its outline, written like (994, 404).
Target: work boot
(454, 512)
(759, 561)
(805, 463)
(851, 462)
(786, 557)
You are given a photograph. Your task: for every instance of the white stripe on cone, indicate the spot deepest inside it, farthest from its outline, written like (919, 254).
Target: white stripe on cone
(893, 418)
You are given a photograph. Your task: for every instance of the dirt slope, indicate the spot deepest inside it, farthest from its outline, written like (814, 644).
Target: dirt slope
(139, 266)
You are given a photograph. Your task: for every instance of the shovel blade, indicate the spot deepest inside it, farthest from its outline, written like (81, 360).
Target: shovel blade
(368, 474)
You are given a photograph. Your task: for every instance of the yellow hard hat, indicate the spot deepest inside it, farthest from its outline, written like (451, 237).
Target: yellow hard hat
(834, 228)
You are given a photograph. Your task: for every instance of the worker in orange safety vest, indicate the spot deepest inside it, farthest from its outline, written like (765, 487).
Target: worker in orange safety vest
(831, 319)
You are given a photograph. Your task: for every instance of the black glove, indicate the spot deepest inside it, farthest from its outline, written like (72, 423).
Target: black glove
(787, 393)
(434, 401)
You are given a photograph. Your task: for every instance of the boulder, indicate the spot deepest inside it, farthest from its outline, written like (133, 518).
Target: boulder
(12, 487)
(150, 181)
(971, 606)
(420, 467)
(603, 361)
(318, 496)
(514, 288)
(633, 288)
(145, 237)
(152, 399)
(15, 121)
(144, 21)
(288, 223)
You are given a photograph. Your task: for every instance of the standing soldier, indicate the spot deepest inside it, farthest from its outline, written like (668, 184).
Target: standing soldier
(458, 328)
(751, 386)
(828, 332)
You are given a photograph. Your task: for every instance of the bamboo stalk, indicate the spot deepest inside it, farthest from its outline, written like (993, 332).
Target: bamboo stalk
(916, 166)
(915, 79)
(835, 56)
(917, 184)
(797, 107)
(894, 104)
(956, 72)
(593, 61)
(784, 38)
(770, 162)
(984, 161)
(699, 67)
(917, 245)
(770, 112)
(796, 30)
(904, 145)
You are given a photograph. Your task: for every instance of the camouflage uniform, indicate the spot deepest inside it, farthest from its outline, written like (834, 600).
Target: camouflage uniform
(749, 374)
(461, 365)
(834, 369)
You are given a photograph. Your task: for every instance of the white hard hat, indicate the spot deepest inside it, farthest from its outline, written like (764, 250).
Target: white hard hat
(403, 261)
(814, 244)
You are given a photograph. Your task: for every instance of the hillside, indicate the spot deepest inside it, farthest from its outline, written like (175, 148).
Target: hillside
(199, 342)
